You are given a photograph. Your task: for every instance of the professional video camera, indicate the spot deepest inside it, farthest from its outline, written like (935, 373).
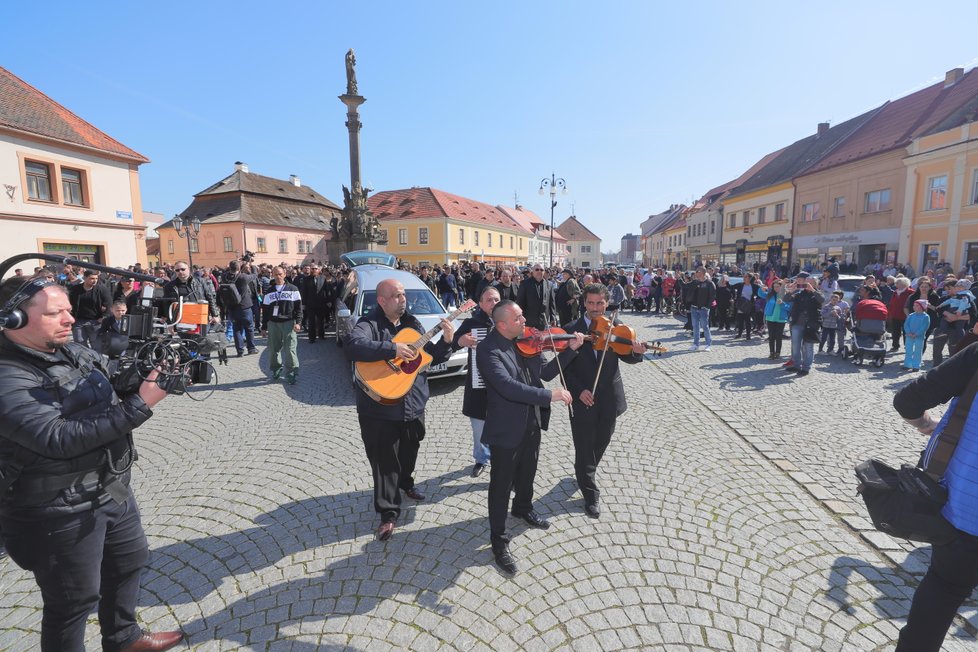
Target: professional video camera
(249, 257)
(177, 347)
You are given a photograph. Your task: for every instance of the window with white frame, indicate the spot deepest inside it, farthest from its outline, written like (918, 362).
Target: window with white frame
(761, 214)
(779, 212)
(423, 235)
(228, 243)
(461, 236)
(402, 237)
(71, 187)
(839, 207)
(194, 246)
(733, 220)
(937, 193)
(489, 238)
(877, 201)
(301, 246)
(261, 246)
(809, 212)
(169, 246)
(283, 245)
(510, 242)
(475, 238)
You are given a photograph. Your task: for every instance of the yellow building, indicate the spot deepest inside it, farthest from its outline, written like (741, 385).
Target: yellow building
(940, 221)
(431, 226)
(675, 241)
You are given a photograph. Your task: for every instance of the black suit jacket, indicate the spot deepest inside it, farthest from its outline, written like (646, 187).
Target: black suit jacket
(539, 312)
(581, 372)
(474, 400)
(509, 398)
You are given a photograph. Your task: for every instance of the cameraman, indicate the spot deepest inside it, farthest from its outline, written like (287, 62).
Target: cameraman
(66, 510)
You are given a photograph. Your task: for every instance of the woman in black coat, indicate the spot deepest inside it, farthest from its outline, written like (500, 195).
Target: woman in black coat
(744, 304)
(723, 312)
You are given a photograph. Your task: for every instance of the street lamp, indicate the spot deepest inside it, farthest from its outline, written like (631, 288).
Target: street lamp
(552, 184)
(187, 228)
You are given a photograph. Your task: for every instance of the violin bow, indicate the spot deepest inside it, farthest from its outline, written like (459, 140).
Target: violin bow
(604, 352)
(570, 406)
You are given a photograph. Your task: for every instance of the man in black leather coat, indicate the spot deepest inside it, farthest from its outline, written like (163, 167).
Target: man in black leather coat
(66, 510)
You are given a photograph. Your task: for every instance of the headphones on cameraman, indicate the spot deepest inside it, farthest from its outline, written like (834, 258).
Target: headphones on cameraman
(11, 316)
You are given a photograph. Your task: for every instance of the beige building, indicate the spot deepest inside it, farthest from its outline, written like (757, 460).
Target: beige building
(853, 204)
(68, 188)
(279, 221)
(583, 246)
(538, 245)
(941, 211)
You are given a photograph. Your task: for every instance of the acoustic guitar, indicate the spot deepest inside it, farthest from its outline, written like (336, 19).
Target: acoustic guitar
(387, 381)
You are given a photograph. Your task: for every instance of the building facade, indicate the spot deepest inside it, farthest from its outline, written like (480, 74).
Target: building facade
(583, 246)
(69, 189)
(279, 221)
(539, 243)
(941, 212)
(431, 226)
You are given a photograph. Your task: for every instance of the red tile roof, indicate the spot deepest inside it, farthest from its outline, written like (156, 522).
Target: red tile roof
(421, 203)
(531, 222)
(572, 229)
(900, 121)
(25, 109)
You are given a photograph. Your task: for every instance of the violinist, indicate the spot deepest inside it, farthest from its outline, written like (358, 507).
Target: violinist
(517, 409)
(474, 399)
(595, 412)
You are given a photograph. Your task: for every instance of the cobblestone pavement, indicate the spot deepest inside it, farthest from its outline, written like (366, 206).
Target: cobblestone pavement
(730, 519)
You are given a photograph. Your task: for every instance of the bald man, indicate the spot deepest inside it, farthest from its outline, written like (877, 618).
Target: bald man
(392, 434)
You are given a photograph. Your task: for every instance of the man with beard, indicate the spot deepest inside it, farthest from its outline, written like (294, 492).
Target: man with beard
(190, 288)
(595, 413)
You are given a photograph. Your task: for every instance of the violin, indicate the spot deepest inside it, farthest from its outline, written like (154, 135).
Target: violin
(619, 338)
(534, 341)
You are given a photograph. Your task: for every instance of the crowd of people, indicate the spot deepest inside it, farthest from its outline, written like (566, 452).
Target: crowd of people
(52, 320)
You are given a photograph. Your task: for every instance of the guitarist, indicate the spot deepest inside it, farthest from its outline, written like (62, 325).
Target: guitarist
(595, 413)
(392, 434)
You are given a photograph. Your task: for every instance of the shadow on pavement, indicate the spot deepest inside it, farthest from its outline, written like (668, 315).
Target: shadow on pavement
(403, 567)
(188, 571)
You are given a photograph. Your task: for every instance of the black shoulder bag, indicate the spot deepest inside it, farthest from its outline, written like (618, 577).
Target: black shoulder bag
(906, 503)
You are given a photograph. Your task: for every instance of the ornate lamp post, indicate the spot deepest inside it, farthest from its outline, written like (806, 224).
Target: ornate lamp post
(187, 228)
(552, 184)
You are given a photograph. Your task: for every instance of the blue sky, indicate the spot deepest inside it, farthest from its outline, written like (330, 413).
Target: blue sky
(637, 105)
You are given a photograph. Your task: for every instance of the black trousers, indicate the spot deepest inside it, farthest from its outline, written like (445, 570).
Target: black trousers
(724, 320)
(316, 322)
(745, 321)
(592, 428)
(896, 330)
(392, 448)
(952, 576)
(80, 562)
(775, 332)
(511, 467)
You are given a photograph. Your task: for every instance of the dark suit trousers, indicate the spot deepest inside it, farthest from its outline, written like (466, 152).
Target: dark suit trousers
(592, 429)
(511, 466)
(392, 448)
(316, 322)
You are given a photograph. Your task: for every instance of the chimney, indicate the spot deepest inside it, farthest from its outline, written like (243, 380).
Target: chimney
(294, 180)
(823, 128)
(240, 167)
(953, 76)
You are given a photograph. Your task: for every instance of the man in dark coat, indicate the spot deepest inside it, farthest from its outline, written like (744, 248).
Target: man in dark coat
(517, 409)
(313, 293)
(536, 300)
(67, 512)
(595, 412)
(190, 288)
(90, 301)
(392, 433)
(474, 399)
(567, 297)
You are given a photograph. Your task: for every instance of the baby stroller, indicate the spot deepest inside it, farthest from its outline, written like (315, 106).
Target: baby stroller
(868, 333)
(641, 299)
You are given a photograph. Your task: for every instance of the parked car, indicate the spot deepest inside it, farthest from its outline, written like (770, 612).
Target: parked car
(359, 296)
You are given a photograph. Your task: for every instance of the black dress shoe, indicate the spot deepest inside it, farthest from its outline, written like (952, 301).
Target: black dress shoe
(385, 530)
(505, 561)
(593, 510)
(478, 469)
(534, 520)
(414, 494)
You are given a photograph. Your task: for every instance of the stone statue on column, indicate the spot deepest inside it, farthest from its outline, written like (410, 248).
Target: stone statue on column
(351, 73)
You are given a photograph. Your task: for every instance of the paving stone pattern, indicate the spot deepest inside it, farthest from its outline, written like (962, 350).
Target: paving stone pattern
(729, 521)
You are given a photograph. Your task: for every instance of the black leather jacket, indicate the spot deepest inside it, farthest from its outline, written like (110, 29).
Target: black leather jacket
(61, 419)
